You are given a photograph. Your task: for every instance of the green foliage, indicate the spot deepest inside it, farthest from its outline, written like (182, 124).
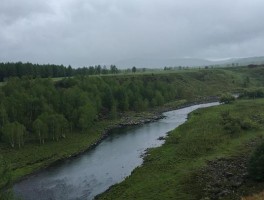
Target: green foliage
(41, 130)
(256, 164)
(113, 113)
(20, 69)
(234, 125)
(4, 173)
(230, 124)
(134, 69)
(227, 98)
(87, 116)
(13, 133)
(5, 180)
(50, 110)
(170, 171)
(253, 93)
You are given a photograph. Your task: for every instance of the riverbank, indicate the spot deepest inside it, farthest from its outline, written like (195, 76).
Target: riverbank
(34, 157)
(199, 160)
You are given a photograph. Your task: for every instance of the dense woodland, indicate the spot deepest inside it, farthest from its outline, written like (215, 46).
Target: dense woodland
(39, 110)
(43, 110)
(20, 69)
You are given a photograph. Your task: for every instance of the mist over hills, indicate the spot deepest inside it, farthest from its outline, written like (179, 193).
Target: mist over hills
(190, 62)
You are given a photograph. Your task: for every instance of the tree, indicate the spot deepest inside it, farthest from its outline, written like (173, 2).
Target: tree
(122, 99)
(113, 112)
(63, 125)
(113, 69)
(9, 134)
(104, 70)
(98, 69)
(108, 98)
(41, 130)
(20, 132)
(69, 71)
(3, 119)
(159, 98)
(14, 134)
(227, 98)
(87, 115)
(56, 125)
(134, 69)
(3, 115)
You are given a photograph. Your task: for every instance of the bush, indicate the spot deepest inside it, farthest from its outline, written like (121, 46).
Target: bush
(234, 125)
(230, 123)
(256, 164)
(248, 124)
(227, 98)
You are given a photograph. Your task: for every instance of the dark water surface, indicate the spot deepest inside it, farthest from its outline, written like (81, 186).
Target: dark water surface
(109, 163)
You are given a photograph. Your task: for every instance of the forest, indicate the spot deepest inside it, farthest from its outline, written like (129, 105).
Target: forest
(40, 109)
(20, 69)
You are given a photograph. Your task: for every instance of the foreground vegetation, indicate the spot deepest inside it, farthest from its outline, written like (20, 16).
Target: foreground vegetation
(40, 117)
(171, 171)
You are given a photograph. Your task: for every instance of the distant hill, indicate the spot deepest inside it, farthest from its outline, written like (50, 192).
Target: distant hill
(191, 62)
(162, 62)
(247, 61)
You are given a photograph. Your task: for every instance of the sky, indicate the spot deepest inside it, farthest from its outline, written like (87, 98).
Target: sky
(89, 32)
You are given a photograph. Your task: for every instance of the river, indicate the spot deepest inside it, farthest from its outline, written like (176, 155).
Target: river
(91, 173)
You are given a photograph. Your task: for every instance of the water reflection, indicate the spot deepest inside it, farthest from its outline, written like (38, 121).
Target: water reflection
(110, 162)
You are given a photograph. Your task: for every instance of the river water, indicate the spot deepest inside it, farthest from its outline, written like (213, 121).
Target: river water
(91, 173)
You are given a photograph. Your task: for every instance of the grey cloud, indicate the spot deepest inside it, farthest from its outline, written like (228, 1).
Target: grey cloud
(13, 10)
(80, 32)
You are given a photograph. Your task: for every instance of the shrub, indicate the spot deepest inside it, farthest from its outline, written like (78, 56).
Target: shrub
(227, 98)
(230, 124)
(234, 124)
(256, 164)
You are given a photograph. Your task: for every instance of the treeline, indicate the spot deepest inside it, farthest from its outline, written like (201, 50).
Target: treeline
(252, 93)
(41, 110)
(20, 69)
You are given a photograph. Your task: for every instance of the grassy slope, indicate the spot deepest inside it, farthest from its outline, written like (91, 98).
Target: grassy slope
(191, 83)
(168, 170)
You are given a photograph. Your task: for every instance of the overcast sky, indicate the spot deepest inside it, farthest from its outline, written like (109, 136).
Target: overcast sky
(87, 32)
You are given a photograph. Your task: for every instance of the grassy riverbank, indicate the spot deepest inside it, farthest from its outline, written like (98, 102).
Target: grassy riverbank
(189, 86)
(33, 156)
(173, 170)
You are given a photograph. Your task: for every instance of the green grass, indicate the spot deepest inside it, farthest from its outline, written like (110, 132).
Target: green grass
(167, 170)
(34, 156)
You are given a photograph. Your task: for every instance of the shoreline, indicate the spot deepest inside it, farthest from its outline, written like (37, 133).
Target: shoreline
(156, 115)
(218, 170)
